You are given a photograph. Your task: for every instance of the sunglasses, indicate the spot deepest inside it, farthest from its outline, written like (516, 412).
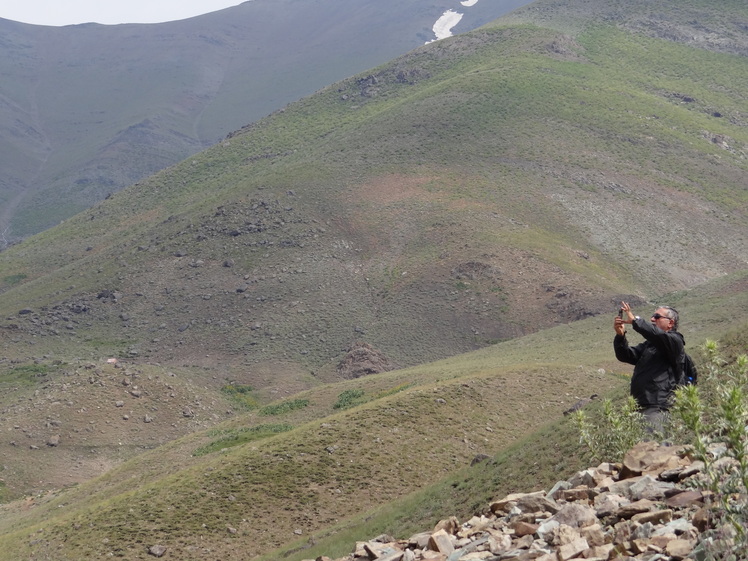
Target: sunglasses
(658, 316)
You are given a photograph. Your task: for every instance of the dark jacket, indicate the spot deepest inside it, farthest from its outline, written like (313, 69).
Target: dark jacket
(655, 372)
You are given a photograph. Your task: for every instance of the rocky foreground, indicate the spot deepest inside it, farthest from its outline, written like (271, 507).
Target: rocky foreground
(642, 509)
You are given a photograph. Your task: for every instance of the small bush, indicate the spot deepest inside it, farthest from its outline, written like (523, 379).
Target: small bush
(349, 398)
(4, 495)
(12, 280)
(241, 395)
(714, 417)
(352, 398)
(618, 430)
(285, 407)
(236, 437)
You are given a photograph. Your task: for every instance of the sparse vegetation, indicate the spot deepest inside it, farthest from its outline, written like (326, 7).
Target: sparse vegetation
(28, 375)
(284, 407)
(12, 280)
(349, 398)
(715, 414)
(237, 437)
(530, 464)
(241, 395)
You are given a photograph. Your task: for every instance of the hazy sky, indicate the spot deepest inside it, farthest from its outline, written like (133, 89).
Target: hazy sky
(66, 12)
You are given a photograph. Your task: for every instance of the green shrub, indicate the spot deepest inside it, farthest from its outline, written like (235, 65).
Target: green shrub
(284, 407)
(235, 437)
(714, 418)
(352, 398)
(12, 280)
(615, 433)
(4, 495)
(241, 395)
(349, 398)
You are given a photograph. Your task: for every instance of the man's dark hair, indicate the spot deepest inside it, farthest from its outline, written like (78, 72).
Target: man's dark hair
(672, 313)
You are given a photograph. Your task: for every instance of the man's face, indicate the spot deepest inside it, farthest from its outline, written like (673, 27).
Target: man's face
(660, 319)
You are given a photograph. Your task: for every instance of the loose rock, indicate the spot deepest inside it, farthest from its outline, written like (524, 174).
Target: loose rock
(629, 511)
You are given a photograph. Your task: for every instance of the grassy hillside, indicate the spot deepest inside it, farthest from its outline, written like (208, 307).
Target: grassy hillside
(534, 463)
(508, 180)
(326, 463)
(472, 212)
(475, 190)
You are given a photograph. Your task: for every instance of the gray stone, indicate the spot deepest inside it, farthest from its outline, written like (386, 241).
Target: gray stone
(576, 516)
(157, 550)
(649, 488)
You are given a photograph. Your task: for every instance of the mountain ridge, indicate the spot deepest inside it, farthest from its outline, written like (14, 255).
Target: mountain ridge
(90, 109)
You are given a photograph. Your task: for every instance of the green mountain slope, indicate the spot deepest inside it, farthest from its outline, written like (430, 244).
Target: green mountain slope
(305, 479)
(327, 462)
(497, 193)
(488, 186)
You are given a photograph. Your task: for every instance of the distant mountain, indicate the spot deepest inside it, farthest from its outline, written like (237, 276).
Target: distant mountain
(88, 109)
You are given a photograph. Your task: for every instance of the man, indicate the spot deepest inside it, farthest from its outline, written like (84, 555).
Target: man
(656, 360)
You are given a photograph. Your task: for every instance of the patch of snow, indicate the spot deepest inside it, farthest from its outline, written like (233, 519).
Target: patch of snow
(443, 26)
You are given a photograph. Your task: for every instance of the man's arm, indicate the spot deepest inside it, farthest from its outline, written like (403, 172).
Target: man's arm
(669, 342)
(624, 353)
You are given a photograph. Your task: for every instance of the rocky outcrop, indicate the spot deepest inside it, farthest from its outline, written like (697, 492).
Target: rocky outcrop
(641, 509)
(362, 360)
